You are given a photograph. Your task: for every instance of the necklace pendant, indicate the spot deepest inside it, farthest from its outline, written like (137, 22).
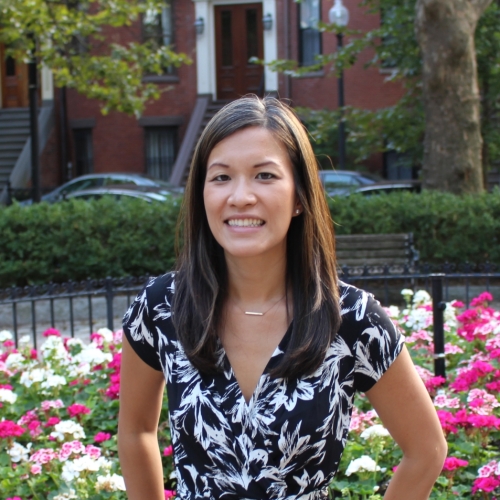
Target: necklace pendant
(250, 313)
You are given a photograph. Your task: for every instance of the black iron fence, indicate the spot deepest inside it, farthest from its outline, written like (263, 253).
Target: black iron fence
(385, 282)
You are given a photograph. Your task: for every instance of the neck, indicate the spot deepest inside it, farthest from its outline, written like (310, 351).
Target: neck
(256, 281)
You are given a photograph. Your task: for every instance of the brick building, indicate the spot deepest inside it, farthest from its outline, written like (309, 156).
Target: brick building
(220, 36)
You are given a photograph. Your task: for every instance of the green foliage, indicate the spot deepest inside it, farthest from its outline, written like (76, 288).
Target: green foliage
(395, 48)
(77, 239)
(446, 227)
(70, 38)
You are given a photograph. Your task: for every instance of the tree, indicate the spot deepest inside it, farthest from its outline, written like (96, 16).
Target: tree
(445, 32)
(403, 127)
(71, 38)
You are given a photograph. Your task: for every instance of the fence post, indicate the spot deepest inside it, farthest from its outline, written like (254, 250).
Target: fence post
(438, 307)
(109, 302)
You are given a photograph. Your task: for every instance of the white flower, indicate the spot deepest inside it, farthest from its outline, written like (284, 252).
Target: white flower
(376, 430)
(25, 340)
(393, 311)
(110, 483)
(68, 427)
(421, 297)
(53, 348)
(407, 292)
(29, 377)
(66, 496)
(363, 464)
(5, 335)
(77, 371)
(7, 396)
(92, 355)
(18, 452)
(106, 333)
(15, 361)
(69, 472)
(53, 380)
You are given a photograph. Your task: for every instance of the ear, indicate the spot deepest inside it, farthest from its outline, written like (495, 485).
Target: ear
(297, 210)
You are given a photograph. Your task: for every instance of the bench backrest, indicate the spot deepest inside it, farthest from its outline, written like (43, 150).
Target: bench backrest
(375, 249)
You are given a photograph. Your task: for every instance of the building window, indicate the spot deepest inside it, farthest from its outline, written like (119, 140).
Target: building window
(157, 29)
(309, 35)
(161, 148)
(84, 155)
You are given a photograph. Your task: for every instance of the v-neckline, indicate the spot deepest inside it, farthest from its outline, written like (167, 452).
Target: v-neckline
(280, 349)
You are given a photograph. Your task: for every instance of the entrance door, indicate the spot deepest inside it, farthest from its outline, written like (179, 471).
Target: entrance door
(238, 31)
(14, 82)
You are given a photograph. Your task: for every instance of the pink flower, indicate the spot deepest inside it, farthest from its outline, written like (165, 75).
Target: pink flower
(101, 437)
(35, 428)
(10, 429)
(28, 417)
(488, 470)
(448, 421)
(51, 332)
(168, 494)
(168, 451)
(43, 456)
(452, 463)
(47, 405)
(482, 300)
(434, 382)
(36, 469)
(97, 338)
(75, 410)
(70, 447)
(92, 451)
(457, 304)
(487, 484)
(9, 343)
(52, 421)
(14, 498)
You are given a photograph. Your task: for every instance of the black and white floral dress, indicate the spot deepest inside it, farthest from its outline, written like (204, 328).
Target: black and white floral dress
(286, 442)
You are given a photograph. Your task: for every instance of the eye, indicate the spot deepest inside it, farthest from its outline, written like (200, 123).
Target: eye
(221, 178)
(265, 176)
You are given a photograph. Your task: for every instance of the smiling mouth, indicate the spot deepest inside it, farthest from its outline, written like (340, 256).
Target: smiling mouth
(245, 222)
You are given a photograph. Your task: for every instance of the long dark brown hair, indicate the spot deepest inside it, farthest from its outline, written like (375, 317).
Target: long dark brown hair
(201, 278)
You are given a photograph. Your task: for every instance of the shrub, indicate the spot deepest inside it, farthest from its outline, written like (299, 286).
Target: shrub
(78, 239)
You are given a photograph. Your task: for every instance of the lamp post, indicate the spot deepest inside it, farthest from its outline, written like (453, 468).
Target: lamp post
(339, 15)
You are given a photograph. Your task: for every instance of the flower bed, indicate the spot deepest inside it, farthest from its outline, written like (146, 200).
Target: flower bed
(59, 410)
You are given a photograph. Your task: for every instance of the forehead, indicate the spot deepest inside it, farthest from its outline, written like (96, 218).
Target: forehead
(249, 143)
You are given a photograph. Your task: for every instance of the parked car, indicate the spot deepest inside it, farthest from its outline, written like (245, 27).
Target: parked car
(118, 192)
(413, 186)
(338, 182)
(91, 181)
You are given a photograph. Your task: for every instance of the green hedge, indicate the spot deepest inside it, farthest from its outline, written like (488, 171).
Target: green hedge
(79, 239)
(446, 227)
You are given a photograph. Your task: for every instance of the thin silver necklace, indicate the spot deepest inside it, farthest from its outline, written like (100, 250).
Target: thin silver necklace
(255, 313)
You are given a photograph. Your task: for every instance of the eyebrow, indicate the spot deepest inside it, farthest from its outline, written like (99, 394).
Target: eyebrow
(258, 165)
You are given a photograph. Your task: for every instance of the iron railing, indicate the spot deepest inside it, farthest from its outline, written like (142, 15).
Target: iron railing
(385, 282)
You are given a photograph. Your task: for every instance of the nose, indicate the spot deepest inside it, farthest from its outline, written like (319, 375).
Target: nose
(242, 194)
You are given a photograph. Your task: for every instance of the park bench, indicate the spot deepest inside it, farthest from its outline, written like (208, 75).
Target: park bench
(376, 250)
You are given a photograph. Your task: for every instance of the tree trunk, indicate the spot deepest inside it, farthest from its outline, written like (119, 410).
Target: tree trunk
(452, 145)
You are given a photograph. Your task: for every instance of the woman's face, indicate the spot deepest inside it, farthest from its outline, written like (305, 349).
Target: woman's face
(249, 194)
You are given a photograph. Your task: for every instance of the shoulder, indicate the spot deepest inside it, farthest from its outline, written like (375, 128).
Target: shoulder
(159, 292)
(361, 311)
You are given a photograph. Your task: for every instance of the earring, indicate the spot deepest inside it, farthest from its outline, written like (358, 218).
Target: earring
(297, 211)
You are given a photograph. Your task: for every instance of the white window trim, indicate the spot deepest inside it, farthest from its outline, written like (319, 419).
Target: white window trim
(205, 45)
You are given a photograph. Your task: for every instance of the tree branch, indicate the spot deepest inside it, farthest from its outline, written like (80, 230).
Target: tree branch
(480, 6)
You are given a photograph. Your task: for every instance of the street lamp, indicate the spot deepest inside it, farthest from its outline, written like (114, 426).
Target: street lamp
(339, 15)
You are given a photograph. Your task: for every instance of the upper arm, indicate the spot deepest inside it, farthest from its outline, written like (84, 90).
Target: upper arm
(406, 410)
(141, 393)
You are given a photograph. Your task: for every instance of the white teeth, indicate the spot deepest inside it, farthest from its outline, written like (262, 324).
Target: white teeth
(245, 222)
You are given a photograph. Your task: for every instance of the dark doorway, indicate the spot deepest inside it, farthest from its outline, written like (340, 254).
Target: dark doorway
(238, 35)
(14, 81)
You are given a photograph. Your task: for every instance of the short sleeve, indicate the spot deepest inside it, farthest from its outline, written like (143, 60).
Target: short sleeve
(378, 345)
(138, 328)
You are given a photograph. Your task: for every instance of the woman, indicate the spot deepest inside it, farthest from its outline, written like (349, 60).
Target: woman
(262, 348)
